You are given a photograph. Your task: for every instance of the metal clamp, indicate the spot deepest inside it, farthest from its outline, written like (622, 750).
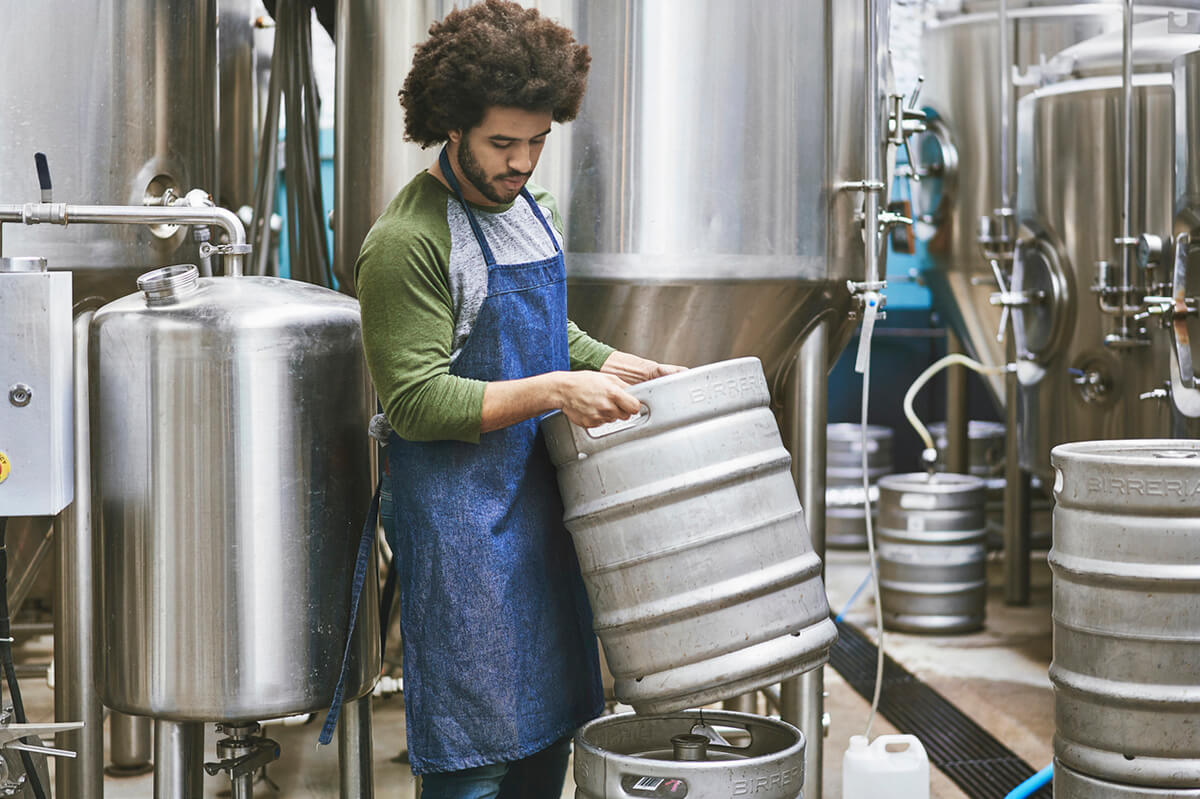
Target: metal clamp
(208, 249)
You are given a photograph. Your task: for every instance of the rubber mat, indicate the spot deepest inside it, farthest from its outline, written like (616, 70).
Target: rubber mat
(975, 761)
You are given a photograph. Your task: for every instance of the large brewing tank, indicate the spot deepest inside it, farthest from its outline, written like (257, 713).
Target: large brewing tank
(1074, 384)
(1126, 566)
(683, 246)
(713, 755)
(232, 480)
(692, 542)
(962, 90)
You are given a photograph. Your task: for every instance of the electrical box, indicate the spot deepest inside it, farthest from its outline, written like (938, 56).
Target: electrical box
(37, 395)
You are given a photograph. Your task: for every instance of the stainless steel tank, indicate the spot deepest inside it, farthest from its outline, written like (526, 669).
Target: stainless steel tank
(845, 514)
(685, 248)
(962, 90)
(231, 473)
(1126, 668)
(692, 542)
(932, 555)
(1077, 381)
(714, 755)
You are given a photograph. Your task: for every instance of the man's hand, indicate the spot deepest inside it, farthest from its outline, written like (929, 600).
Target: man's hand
(592, 398)
(632, 369)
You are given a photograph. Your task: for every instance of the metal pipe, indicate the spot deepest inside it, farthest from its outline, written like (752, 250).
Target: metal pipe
(130, 744)
(1126, 164)
(1016, 493)
(75, 695)
(746, 703)
(874, 168)
(355, 750)
(958, 436)
(178, 759)
(62, 214)
(242, 787)
(802, 699)
(1004, 60)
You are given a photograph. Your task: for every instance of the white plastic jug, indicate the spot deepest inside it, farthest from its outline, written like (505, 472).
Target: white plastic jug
(891, 767)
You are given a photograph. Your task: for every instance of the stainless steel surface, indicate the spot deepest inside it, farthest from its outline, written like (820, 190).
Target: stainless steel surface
(1126, 610)
(1185, 388)
(178, 759)
(932, 570)
(233, 470)
(37, 449)
(845, 516)
(760, 756)
(874, 67)
(356, 770)
(743, 703)
(962, 88)
(130, 744)
(1073, 386)
(75, 696)
(123, 92)
(118, 215)
(1070, 784)
(691, 541)
(237, 127)
(803, 697)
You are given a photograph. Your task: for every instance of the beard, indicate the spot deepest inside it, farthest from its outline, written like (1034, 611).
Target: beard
(474, 173)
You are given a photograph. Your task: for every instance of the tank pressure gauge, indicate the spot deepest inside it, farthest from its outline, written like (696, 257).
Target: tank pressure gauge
(1149, 250)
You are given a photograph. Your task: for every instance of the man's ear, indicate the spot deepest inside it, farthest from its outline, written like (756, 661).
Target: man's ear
(454, 135)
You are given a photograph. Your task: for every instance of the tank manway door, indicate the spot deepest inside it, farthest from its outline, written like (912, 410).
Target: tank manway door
(692, 542)
(36, 396)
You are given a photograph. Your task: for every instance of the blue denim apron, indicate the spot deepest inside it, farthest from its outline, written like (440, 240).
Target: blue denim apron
(499, 656)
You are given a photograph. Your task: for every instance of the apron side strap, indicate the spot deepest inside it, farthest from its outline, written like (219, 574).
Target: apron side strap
(365, 543)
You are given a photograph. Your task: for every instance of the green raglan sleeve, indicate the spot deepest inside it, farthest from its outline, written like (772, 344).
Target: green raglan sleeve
(408, 330)
(585, 351)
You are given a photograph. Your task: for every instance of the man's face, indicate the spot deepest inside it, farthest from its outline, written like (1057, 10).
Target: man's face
(498, 155)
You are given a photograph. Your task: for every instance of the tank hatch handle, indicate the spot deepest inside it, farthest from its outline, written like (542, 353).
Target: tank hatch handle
(43, 173)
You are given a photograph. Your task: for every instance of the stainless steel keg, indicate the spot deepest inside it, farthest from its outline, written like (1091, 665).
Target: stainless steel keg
(845, 514)
(230, 461)
(931, 535)
(985, 448)
(1070, 784)
(692, 542)
(714, 755)
(1126, 565)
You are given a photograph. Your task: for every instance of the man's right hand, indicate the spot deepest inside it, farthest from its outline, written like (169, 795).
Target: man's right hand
(593, 398)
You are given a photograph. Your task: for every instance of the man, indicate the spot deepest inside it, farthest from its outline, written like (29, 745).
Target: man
(463, 298)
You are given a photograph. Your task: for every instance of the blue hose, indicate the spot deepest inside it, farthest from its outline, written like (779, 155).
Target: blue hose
(1031, 785)
(866, 581)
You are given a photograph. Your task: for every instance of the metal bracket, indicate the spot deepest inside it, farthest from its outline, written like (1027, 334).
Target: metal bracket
(208, 249)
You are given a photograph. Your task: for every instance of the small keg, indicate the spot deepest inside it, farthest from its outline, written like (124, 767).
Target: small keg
(714, 755)
(1070, 784)
(845, 516)
(932, 571)
(985, 447)
(691, 540)
(1126, 584)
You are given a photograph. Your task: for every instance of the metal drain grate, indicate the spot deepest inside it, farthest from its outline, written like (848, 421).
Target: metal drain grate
(976, 762)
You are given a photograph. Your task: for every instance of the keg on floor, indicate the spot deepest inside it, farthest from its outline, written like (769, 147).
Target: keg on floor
(845, 514)
(985, 447)
(692, 542)
(1126, 566)
(1070, 784)
(232, 481)
(932, 569)
(715, 755)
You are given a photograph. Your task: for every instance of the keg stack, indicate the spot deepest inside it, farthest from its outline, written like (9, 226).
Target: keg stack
(845, 516)
(932, 555)
(1126, 667)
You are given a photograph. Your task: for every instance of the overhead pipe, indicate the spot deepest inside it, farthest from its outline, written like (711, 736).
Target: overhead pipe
(1126, 243)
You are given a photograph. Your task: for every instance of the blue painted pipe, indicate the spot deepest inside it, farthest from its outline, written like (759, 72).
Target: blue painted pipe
(1031, 785)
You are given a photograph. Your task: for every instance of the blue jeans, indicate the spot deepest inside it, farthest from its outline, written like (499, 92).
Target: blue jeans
(539, 776)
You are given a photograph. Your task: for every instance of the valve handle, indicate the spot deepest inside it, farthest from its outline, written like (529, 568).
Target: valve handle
(43, 173)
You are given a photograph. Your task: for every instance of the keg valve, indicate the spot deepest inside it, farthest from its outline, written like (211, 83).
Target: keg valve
(690, 747)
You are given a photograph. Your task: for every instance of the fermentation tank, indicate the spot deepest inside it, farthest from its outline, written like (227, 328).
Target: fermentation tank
(231, 474)
(1080, 377)
(962, 91)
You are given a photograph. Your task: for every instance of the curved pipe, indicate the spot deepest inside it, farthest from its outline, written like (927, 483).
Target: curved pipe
(63, 214)
(1033, 784)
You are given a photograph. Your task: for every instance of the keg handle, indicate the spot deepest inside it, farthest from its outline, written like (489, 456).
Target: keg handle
(621, 425)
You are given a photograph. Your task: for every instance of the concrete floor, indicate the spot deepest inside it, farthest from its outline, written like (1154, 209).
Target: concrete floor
(997, 676)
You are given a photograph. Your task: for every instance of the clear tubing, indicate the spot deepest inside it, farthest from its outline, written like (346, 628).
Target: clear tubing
(924, 378)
